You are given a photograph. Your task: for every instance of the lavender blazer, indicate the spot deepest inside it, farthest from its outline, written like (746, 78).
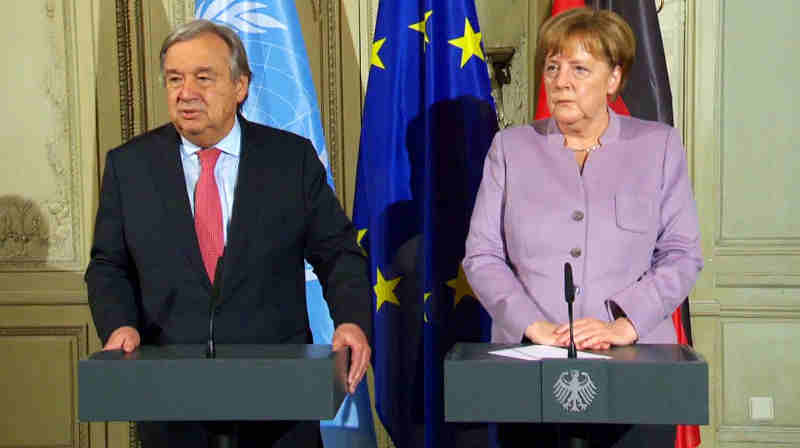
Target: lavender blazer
(628, 226)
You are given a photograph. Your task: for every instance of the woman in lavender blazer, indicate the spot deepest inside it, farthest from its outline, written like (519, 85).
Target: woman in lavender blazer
(609, 194)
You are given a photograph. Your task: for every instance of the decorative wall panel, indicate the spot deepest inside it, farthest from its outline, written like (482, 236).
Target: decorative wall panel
(40, 405)
(766, 372)
(41, 201)
(759, 130)
(757, 364)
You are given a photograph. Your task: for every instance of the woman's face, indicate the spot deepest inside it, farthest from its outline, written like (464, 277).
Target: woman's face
(578, 86)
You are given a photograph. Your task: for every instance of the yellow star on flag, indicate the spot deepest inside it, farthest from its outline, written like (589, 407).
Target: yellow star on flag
(376, 58)
(422, 27)
(384, 290)
(360, 236)
(461, 287)
(469, 43)
(425, 299)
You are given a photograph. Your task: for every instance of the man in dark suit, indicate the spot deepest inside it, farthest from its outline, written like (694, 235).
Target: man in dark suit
(208, 185)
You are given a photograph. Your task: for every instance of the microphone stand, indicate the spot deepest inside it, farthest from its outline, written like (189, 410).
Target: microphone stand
(216, 299)
(572, 353)
(220, 434)
(569, 296)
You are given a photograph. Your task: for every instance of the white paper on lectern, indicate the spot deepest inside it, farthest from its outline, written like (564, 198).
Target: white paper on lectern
(536, 352)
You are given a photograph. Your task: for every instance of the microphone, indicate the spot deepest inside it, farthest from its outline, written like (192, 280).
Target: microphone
(569, 296)
(216, 299)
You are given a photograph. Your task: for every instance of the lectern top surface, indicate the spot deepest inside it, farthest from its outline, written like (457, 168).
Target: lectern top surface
(635, 353)
(243, 351)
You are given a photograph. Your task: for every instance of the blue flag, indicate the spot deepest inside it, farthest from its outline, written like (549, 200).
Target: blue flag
(428, 123)
(282, 95)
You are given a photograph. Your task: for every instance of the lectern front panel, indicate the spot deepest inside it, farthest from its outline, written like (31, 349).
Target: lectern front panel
(244, 382)
(643, 383)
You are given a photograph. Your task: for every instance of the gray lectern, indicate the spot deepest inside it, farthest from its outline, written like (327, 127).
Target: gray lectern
(244, 382)
(640, 384)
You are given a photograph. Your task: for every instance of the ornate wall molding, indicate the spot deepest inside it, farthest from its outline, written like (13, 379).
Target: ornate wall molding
(506, 40)
(510, 82)
(332, 73)
(125, 61)
(180, 11)
(130, 59)
(47, 233)
(316, 8)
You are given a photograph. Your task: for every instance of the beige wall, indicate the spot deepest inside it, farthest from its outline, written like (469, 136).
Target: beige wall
(740, 113)
(47, 191)
(82, 84)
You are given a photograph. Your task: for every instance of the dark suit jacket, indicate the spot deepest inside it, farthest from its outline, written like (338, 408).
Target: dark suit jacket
(146, 270)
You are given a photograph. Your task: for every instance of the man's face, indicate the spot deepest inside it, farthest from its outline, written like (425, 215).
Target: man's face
(201, 96)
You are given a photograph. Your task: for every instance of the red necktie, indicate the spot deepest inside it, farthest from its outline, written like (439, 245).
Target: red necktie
(208, 212)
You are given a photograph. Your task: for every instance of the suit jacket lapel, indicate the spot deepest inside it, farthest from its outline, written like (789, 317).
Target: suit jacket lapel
(170, 181)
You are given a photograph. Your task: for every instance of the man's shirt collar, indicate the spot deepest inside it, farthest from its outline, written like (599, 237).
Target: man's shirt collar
(231, 144)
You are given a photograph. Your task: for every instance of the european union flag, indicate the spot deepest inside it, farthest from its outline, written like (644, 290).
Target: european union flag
(282, 96)
(428, 122)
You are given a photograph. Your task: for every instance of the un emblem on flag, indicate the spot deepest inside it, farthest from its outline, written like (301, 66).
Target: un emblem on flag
(574, 390)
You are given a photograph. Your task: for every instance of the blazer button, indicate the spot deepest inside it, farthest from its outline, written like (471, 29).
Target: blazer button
(577, 215)
(575, 252)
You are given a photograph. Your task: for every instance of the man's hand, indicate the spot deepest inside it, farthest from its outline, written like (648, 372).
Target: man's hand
(595, 334)
(350, 335)
(542, 332)
(125, 338)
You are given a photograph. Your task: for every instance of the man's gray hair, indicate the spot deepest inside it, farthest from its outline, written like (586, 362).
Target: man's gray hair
(188, 31)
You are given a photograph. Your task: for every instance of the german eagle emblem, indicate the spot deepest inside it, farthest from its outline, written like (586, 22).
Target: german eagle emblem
(574, 390)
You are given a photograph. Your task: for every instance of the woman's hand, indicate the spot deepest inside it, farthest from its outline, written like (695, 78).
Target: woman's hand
(542, 332)
(595, 334)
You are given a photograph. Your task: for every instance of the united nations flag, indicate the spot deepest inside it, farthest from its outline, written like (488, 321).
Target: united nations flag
(428, 122)
(282, 95)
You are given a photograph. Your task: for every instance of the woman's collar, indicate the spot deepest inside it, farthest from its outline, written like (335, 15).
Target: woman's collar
(611, 134)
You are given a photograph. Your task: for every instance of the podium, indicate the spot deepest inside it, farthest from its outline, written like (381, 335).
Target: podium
(243, 382)
(640, 384)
